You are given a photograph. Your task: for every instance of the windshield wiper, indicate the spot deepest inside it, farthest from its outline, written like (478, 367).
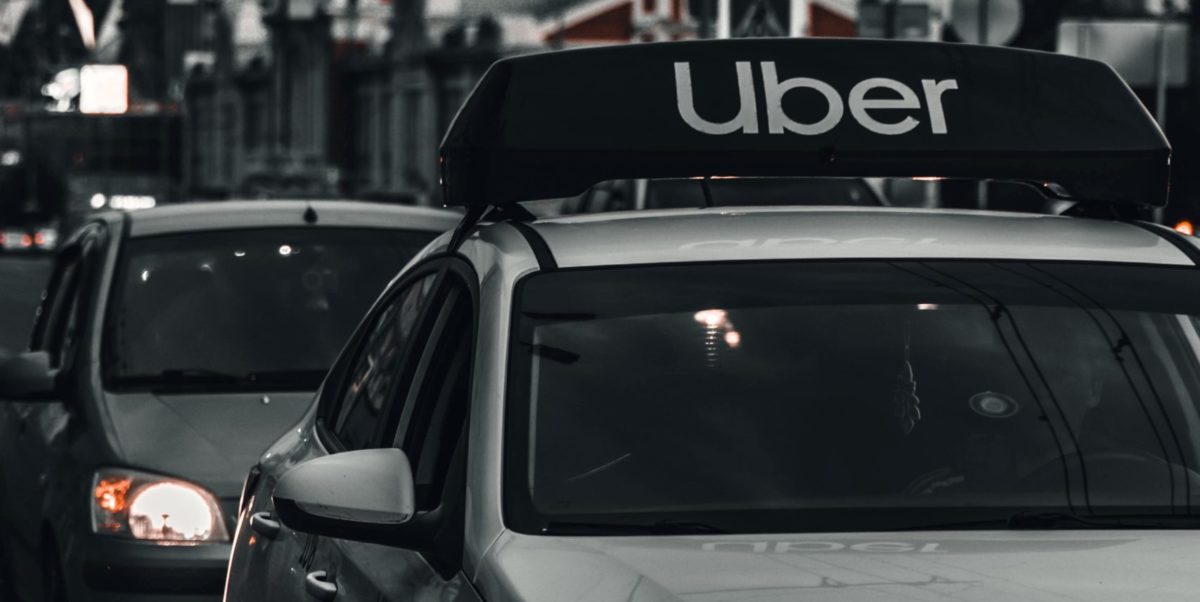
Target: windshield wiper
(203, 375)
(663, 527)
(1035, 520)
(185, 377)
(290, 377)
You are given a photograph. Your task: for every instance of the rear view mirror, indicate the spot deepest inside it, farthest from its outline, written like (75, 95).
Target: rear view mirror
(362, 495)
(27, 377)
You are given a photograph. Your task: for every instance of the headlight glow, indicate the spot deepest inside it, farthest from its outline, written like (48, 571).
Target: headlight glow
(136, 505)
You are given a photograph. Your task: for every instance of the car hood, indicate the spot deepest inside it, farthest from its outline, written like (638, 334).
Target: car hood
(1097, 566)
(208, 438)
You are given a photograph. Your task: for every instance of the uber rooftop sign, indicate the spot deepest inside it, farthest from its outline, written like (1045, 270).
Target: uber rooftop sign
(550, 125)
(778, 121)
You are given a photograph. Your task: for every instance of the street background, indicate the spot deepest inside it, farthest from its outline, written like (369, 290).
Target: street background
(130, 104)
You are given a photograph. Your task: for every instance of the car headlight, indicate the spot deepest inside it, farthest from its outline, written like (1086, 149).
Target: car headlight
(137, 505)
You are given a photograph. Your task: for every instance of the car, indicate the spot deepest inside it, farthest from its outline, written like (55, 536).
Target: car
(171, 347)
(763, 403)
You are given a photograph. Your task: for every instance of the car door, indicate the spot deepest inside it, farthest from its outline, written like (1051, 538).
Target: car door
(427, 420)
(32, 430)
(272, 562)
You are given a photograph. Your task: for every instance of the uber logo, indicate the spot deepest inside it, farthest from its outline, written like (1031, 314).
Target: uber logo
(778, 121)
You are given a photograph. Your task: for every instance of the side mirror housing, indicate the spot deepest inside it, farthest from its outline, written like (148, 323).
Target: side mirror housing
(27, 377)
(365, 495)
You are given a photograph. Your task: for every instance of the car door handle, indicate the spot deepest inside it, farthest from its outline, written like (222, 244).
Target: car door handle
(264, 525)
(318, 586)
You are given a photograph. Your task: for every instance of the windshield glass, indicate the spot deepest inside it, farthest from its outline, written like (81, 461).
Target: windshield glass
(849, 396)
(248, 308)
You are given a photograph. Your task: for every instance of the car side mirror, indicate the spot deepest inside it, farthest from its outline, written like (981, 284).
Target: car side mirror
(364, 495)
(27, 377)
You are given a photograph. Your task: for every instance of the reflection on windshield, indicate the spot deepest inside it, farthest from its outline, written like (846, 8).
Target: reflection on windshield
(246, 309)
(729, 394)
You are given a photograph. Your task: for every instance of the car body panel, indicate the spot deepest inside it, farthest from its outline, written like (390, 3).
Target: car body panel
(501, 257)
(257, 556)
(961, 565)
(231, 215)
(212, 438)
(750, 234)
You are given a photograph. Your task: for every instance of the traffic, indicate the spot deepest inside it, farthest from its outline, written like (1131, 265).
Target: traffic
(726, 364)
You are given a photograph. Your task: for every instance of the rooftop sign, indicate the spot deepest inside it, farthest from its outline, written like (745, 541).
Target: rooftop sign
(550, 125)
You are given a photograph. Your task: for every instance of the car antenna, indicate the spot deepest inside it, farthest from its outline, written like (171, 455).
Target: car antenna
(310, 214)
(708, 200)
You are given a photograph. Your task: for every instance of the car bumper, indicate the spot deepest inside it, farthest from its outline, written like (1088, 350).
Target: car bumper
(131, 571)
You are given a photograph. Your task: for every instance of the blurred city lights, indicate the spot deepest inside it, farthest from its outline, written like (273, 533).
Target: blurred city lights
(285, 250)
(733, 338)
(1185, 227)
(103, 89)
(132, 202)
(712, 318)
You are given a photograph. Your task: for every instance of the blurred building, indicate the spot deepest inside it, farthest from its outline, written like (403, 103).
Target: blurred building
(325, 98)
(87, 134)
(350, 97)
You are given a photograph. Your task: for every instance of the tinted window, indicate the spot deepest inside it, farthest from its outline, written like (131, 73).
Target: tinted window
(430, 433)
(377, 370)
(60, 308)
(767, 396)
(249, 308)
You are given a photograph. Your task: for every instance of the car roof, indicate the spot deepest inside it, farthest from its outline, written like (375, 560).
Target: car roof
(230, 215)
(764, 233)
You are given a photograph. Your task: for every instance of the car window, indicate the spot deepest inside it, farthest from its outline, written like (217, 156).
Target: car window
(797, 396)
(252, 309)
(58, 313)
(57, 306)
(430, 424)
(377, 371)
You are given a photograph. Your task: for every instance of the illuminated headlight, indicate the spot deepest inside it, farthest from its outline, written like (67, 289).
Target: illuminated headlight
(136, 505)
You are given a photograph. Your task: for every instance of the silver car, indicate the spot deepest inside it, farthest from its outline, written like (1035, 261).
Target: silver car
(736, 408)
(171, 347)
(743, 403)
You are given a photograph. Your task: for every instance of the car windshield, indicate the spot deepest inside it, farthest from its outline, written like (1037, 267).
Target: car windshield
(256, 309)
(852, 395)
